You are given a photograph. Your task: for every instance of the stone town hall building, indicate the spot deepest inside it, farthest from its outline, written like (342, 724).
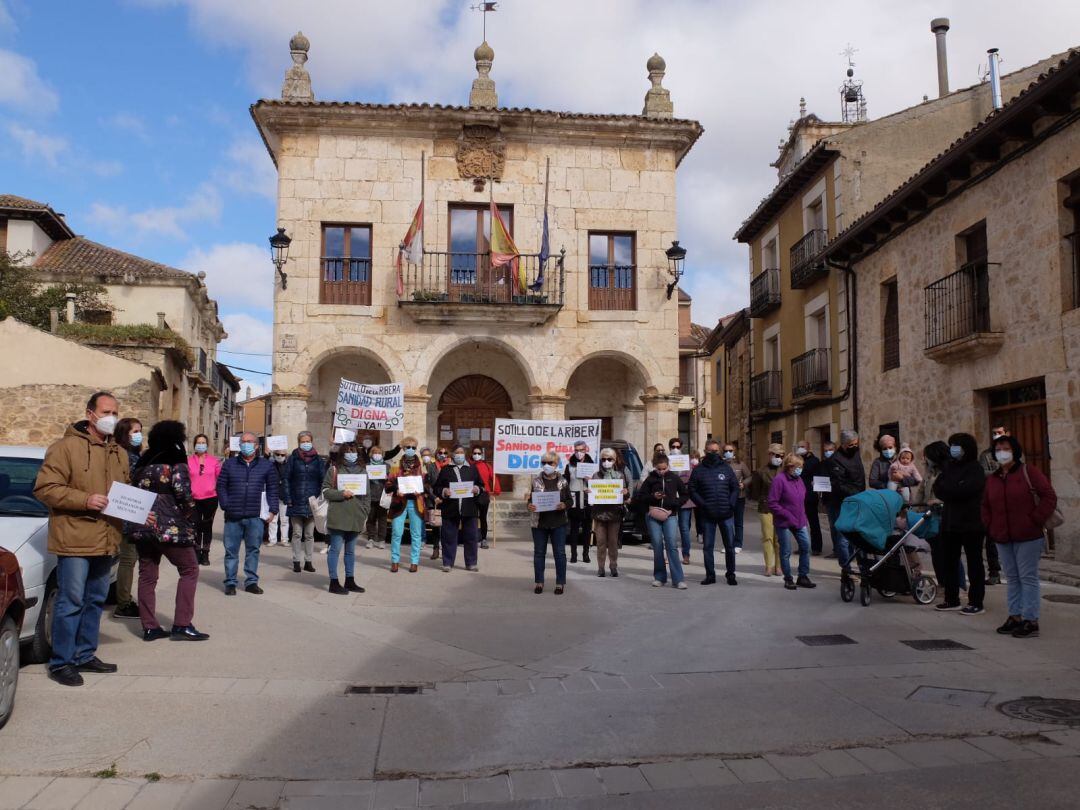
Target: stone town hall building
(598, 337)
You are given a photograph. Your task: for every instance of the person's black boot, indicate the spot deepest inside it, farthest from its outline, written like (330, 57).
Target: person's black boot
(789, 584)
(335, 587)
(709, 580)
(350, 585)
(296, 567)
(804, 582)
(573, 555)
(731, 579)
(585, 555)
(309, 568)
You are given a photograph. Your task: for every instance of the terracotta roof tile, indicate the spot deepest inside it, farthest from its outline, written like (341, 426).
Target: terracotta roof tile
(81, 256)
(21, 203)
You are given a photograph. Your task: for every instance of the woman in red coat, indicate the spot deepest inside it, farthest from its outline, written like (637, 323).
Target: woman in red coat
(491, 487)
(1017, 502)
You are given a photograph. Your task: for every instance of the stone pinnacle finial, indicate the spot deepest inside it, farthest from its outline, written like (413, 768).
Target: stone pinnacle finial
(802, 108)
(483, 87)
(657, 99)
(297, 85)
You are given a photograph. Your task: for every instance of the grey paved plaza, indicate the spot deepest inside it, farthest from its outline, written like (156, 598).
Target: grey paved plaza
(615, 694)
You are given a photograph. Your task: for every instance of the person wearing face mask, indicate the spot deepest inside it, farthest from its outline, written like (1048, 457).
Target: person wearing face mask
(608, 518)
(74, 482)
(1017, 503)
(346, 517)
(204, 469)
(811, 467)
(787, 502)
(549, 527)
(303, 479)
(661, 495)
(129, 436)
(960, 489)
(714, 489)
(742, 476)
(433, 514)
(580, 514)
(407, 506)
(847, 477)
(459, 515)
(243, 483)
(377, 516)
(828, 450)
(990, 465)
(278, 530)
(491, 487)
(760, 486)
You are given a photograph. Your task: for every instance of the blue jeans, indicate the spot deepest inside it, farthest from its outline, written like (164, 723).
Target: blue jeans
(82, 585)
(664, 536)
(802, 537)
(839, 541)
(337, 540)
(1020, 562)
(249, 532)
(708, 545)
(557, 538)
(416, 534)
(684, 529)
(737, 520)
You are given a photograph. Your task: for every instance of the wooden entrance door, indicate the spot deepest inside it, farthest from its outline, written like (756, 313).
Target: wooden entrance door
(1022, 409)
(468, 409)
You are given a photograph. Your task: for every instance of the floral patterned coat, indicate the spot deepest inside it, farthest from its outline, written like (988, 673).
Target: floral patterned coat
(172, 520)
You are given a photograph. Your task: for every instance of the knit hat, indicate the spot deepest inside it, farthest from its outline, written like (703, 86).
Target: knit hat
(776, 449)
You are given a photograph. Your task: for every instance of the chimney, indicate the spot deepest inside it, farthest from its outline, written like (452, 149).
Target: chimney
(995, 78)
(940, 27)
(161, 320)
(69, 299)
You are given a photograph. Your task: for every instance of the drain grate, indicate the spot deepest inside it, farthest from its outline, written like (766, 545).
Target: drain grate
(400, 689)
(1063, 598)
(1058, 711)
(826, 641)
(935, 644)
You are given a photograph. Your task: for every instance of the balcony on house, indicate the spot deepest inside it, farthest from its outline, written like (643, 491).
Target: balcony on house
(453, 287)
(345, 281)
(957, 312)
(807, 263)
(687, 388)
(765, 392)
(810, 375)
(765, 293)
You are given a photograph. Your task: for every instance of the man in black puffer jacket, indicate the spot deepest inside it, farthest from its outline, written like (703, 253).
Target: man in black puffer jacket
(960, 489)
(714, 489)
(243, 482)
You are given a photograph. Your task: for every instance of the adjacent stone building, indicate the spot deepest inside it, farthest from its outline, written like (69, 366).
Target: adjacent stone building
(727, 348)
(968, 286)
(594, 331)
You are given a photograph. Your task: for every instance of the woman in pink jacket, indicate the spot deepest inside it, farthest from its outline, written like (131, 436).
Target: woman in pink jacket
(204, 470)
(787, 502)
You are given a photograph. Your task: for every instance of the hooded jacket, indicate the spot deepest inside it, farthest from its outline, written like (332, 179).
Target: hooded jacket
(301, 480)
(669, 484)
(714, 487)
(76, 467)
(960, 488)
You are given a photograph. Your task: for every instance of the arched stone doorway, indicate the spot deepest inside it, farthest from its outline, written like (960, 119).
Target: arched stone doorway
(608, 388)
(350, 364)
(468, 409)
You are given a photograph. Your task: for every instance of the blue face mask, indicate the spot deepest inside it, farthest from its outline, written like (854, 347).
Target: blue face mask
(459, 459)
(247, 448)
(306, 446)
(410, 452)
(797, 471)
(350, 458)
(888, 453)
(828, 453)
(200, 448)
(956, 451)
(135, 439)
(729, 455)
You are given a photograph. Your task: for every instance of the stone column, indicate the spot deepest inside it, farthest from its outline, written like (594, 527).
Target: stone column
(661, 419)
(416, 419)
(547, 406)
(290, 416)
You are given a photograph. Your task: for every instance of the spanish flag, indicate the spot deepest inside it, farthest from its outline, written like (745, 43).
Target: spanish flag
(412, 246)
(503, 250)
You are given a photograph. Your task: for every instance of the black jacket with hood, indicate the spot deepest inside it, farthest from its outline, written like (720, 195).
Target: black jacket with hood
(960, 488)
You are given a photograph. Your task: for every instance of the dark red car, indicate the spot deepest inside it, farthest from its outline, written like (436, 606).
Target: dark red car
(12, 610)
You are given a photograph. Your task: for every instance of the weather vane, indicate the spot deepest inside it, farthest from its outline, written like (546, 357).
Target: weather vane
(849, 52)
(485, 7)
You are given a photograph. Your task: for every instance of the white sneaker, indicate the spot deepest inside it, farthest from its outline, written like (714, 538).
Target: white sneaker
(272, 542)
(370, 544)
(681, 586)
(380, 546)
(738, 550)
(324, 549)
(657, 583)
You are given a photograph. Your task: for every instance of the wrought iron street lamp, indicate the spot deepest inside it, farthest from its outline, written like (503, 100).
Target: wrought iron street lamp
(676, 255)
(279, 254)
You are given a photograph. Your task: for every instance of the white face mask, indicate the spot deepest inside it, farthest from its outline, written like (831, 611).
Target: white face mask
(426, 459)
(1003, 456)
(367, 444)
(376, 458)
(550, 469)
(776, 462)
(580, 454)
(106, 425)
(801, 451)
(607, 463)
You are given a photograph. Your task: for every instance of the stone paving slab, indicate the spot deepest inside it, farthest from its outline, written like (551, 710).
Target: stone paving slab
(109, 794)
(62, 794)
(578, 782)
(622, 779)
(790, 767)
(491, 789)
(533, 785)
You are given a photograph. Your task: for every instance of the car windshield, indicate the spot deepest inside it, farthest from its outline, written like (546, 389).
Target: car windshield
(17, 477)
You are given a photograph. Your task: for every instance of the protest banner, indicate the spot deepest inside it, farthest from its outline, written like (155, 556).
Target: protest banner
(376, 472)
(277, 443)
(546, 501)
(461, 489)
(606, 491)
(370, 407)
(520, 443)
(343, 435)
(129, 503)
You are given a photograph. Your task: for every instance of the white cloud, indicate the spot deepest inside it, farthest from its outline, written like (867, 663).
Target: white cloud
(204, 205)
(37, 145)
(20, 85)
(238, 274)
(249, 335)
(249, 169)
(128, 122)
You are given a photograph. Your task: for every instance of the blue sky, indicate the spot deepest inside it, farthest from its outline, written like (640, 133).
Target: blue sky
(131, 116)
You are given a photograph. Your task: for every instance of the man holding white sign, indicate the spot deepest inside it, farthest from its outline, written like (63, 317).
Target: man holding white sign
(75, 477)
(456, 490)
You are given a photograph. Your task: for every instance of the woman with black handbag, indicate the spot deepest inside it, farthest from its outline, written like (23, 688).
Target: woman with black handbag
(662, 495)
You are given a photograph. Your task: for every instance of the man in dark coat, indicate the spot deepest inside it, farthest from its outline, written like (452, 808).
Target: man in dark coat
(458, 514)
(244, 481)
(714, 489)
(847, 477)
(811, 467)
(960, 490)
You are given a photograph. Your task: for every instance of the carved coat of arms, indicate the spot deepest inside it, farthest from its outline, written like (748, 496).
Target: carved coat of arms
(481, 153)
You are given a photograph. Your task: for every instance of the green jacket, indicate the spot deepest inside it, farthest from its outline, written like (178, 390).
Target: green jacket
(344, 514)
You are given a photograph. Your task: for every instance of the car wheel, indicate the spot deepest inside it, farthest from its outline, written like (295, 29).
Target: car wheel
(9, 667)
(41, 645)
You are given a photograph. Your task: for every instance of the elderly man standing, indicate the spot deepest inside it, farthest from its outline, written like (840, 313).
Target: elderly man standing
(243, 482)
(847, 477)
(74, 482)
(811, 469)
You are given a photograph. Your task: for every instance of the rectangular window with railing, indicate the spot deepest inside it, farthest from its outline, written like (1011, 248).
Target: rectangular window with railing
(345, 266)
(612, 271)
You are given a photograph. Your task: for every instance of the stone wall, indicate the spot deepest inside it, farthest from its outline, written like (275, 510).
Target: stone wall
(38, 415)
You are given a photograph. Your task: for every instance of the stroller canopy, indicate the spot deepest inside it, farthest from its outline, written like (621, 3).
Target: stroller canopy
(870, 515)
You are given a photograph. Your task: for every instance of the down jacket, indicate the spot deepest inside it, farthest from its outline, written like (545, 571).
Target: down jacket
(241, 485)
(301, 480)
(1008, 508)
(76, 467)
(714, 487)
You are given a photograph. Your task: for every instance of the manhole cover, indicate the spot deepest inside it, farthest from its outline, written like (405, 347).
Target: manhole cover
(935, 644)
(363, 689)
(968, 698)
(1043, 710)
(826, 641)
(1064, 598)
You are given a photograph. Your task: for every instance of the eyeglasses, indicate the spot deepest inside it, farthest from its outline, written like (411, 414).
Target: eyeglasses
(676, 447)
(410, 447)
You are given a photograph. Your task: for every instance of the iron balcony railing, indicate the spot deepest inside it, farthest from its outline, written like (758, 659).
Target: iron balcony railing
(765, 292)
(810, 374)
(687, 388)
(807, 266)
(215, 377)
(469, 278)
(345, 281)
(765, 392)
(958, 306)
(1074, 265)
(201, 364)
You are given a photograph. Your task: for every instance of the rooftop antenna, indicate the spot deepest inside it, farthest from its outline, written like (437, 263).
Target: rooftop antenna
(852, 102)
(484, 8)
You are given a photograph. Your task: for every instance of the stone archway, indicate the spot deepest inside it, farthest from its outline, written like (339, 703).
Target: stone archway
(468, 409)
(323, 382)
(609, 388)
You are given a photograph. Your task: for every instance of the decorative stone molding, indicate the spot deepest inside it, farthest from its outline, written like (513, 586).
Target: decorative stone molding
(481, 153)
(297, 84)
(483, 87)
(657, 99)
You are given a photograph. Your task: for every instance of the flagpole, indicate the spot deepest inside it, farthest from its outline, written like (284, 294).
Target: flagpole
(423, 216)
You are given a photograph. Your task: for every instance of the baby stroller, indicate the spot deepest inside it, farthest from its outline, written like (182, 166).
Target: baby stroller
(888, 559)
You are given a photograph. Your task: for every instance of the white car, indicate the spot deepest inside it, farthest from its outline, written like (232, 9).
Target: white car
(24, 528)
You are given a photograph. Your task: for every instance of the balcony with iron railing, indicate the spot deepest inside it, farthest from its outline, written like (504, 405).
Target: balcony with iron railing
(807, 263)
(765, 392)
(765, 292)
(957, 315)
(452, 287)
(687, 388)
(811, 375)
(612, 287)
(345, 281)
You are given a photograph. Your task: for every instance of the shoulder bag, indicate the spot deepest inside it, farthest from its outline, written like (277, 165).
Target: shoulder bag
(1056, 518)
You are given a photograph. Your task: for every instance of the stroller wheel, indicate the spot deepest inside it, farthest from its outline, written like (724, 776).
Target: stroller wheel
(925, 590)
(847, 589)
(886, 594)
(864, 595)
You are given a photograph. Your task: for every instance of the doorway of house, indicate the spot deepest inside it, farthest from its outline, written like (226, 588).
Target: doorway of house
(1022, 409)
(468, 409)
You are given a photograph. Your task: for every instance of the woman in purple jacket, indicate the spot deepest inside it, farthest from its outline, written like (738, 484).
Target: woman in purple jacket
(787, 498)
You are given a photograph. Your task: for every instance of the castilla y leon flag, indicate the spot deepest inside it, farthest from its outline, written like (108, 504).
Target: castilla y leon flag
(503, 250)
(412, 246)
